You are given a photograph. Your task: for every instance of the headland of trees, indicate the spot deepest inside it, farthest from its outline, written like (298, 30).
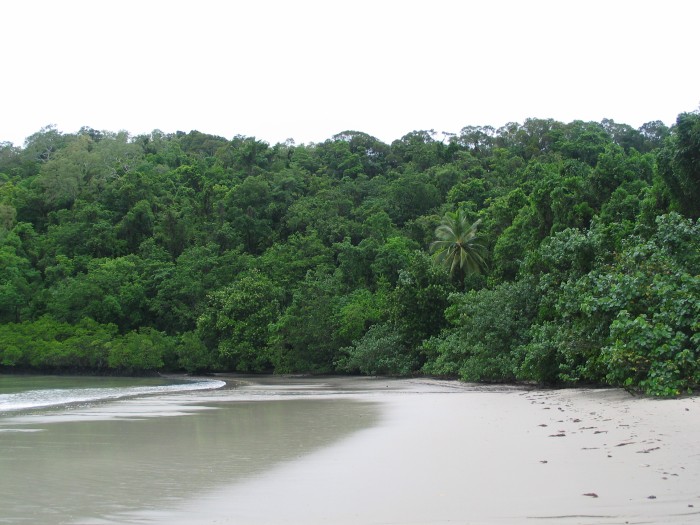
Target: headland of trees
(548, 252)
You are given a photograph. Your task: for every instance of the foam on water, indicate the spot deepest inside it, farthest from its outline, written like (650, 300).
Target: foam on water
(64, 396)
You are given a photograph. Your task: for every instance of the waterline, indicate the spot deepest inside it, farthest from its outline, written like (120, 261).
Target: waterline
(91, 462)
(33, 398)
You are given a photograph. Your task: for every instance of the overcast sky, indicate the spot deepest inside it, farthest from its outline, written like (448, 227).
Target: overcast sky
(303, 69)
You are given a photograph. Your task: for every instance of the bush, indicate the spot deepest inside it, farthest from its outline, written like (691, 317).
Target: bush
(488, 327)
(139, 351)
(381, 351)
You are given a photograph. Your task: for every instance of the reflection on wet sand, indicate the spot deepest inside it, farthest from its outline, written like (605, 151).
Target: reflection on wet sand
(87, 462)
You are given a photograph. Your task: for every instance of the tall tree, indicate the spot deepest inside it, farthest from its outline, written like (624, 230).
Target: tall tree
(456, 246)
(679, 163)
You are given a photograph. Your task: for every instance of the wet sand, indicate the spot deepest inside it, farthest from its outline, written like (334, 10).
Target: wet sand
(327, 451)
(443, 452)
(92, 462)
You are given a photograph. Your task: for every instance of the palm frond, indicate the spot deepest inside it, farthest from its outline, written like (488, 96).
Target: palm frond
(455, 246)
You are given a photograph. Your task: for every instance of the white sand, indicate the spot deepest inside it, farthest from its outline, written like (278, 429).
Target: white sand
(445, 454)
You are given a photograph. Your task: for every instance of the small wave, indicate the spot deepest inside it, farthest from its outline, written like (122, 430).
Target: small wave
(64, 396)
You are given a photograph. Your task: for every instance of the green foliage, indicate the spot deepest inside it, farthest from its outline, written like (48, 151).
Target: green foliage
(513, 244)
(19, 281)
(630, 322)
(470, 191)
(325, 213)
(418, 149)
(679, 163)
(50, 345)
(487, 327)
(138, 351)
(412, 195)
(137, 225)
(178, 290)
(456, 246)
(358, 311)
(615, 168)
(391, 258)
(381, 351)
(354, 262)
(190, 251)
(109, 291)
(583, 141)
(417, 303)
(306, 334)
(237, 319)
(288, 263)
(192, 354)
(87, 229)
(654, 287)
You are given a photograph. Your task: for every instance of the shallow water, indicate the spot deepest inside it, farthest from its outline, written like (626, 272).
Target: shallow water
(92, 459)
(32, 392)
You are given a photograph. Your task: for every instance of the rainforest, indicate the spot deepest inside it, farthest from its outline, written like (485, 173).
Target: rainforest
(544, 252)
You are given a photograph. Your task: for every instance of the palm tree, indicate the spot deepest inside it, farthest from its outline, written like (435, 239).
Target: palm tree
(456, 245)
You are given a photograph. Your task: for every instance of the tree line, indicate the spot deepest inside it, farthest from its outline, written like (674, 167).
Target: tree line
(559, 253)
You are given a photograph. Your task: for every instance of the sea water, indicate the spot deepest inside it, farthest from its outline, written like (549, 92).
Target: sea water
(33, 392)
(93, 450)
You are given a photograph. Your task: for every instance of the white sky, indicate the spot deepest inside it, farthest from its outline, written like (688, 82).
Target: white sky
(304, 69)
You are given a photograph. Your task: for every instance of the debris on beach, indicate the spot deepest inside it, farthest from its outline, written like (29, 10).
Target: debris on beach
(646, 451)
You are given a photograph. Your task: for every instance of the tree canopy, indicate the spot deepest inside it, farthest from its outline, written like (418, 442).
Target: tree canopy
(562, 253)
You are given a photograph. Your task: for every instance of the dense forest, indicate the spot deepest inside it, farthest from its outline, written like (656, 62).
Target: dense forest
(557, 253)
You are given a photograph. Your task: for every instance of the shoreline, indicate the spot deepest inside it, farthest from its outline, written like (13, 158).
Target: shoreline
(93, 461)
(445, 452)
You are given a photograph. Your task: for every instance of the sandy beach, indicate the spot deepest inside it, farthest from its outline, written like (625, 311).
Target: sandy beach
(367, 451)
(444, 452)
